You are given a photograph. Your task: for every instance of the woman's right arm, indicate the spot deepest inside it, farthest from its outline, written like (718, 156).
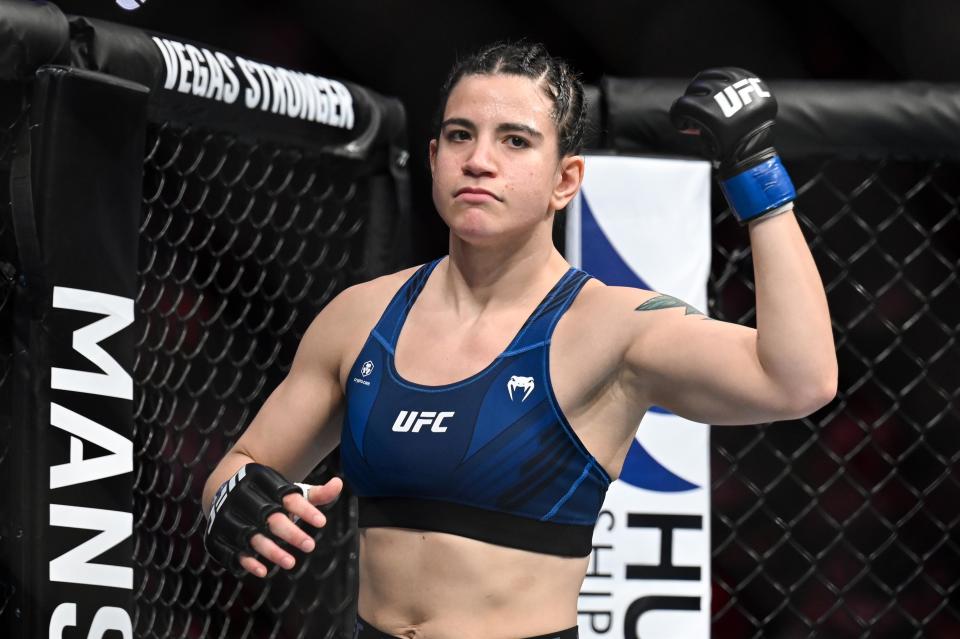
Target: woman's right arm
(299, 423)
(297, 426)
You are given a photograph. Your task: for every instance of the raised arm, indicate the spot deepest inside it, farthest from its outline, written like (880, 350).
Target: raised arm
(723, 373)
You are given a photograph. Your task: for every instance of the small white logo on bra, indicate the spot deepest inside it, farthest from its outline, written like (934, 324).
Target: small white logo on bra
(365, 370)
(517, 382)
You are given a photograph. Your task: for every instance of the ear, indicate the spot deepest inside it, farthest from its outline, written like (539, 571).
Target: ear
(433, 156)
(569, 178)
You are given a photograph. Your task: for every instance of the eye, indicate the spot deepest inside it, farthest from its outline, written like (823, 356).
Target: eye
(517, 142)
(458, 135)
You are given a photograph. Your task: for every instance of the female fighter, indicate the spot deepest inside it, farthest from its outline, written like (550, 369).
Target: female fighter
(484, 401)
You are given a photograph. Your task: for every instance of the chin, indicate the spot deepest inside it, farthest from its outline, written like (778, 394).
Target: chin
(478, 236)
(474, 225)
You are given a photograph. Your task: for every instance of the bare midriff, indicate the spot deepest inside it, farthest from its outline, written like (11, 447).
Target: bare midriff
(430, 585)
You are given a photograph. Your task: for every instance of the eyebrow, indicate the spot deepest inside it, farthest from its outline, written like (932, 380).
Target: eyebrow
(505, 127)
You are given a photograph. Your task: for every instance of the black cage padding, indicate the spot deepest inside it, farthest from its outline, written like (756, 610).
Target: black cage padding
(31, 34)
(87, 193)
(815, 118)
(129, 53)
(37, 33)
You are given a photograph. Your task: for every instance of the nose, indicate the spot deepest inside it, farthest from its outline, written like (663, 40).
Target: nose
(479, 160)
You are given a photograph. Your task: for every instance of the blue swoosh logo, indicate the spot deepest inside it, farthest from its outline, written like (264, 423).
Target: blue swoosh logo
(600, 259)
(640, 469)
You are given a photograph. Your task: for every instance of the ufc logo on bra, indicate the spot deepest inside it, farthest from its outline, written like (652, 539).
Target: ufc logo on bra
(735, 96)
(413, 421)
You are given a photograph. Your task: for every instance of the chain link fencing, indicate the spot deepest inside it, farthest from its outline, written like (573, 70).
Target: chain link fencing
(844, 524)
(241, 244)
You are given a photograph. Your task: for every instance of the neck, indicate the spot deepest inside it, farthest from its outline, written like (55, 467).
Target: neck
(512, 272)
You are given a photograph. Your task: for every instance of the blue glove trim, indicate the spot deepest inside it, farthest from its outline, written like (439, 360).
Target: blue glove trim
(759, 189)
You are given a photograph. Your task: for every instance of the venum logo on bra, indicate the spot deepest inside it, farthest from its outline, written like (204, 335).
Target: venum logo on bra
(520, 383)
(412, 421)
(735, 96)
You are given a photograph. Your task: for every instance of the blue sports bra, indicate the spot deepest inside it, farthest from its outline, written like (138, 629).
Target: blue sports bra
(490, 457)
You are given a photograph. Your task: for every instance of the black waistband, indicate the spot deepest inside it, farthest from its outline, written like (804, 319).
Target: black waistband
(364, 630)
(503, 529)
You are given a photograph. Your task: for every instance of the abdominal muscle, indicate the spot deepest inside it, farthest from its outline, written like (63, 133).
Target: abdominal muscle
(430, 585)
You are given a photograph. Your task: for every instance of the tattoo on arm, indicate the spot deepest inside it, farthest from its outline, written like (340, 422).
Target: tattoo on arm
(668, 301)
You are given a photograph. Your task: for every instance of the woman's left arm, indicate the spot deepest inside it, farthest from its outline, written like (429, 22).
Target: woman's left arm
(794, 333)
(719, 372)
(723, 373)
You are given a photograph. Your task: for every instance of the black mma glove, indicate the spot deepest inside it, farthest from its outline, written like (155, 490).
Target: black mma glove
(735, 112)
(240, 509)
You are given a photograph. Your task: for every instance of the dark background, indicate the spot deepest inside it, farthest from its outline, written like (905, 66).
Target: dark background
(405, 49)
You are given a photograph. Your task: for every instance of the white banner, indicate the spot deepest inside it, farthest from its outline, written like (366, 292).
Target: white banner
(645, 222)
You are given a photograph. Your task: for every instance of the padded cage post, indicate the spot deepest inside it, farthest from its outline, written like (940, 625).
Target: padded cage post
(262, 193)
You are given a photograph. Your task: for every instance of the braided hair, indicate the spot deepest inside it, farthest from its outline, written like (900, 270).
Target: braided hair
(560, 83)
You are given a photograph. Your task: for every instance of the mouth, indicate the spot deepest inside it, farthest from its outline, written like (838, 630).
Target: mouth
(475, 194)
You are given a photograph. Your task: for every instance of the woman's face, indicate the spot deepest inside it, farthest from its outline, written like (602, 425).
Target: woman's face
(495, 166)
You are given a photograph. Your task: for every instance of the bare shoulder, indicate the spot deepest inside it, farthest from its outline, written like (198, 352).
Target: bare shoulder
(339, 330)
(598, 323)
(615, 316)
(606, 307)
(611, 306)
(598, 297)
(360, 303)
